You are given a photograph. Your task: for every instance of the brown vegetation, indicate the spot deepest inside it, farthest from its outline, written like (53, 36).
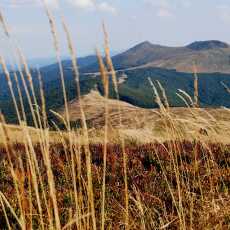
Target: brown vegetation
(170, 185)
(70, 183)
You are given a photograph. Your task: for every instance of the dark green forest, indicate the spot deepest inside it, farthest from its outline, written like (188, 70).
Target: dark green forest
(135, 90)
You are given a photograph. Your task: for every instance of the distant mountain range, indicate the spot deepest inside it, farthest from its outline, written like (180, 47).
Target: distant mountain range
(171, 66)
(35, 62)
(209, 56)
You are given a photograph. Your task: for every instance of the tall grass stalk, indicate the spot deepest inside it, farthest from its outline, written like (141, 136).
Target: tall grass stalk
(171, 129)
(22, 59)
(83, 121)
(62, 184)
(115, 83)
(32, 161)
(19, 92)
(58, 57)
(105, 80)
(11, 157)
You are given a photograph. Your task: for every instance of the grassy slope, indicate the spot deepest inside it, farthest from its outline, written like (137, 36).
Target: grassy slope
(139, 125)
(147, 125)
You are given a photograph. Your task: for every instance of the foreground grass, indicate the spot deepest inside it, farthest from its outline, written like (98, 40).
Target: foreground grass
(171, 185)
(71, 183)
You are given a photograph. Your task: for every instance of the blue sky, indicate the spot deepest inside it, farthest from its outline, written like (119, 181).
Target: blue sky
(167, 22)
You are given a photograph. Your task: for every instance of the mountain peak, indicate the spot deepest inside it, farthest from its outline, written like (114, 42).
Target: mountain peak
(145, 44)
(206, 45)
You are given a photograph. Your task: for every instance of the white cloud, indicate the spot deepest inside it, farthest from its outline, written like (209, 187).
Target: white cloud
(30, 3)
(94, 5)
(85, 4)
(82, 4)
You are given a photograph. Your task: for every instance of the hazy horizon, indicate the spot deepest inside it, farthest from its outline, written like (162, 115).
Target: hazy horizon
(170, 23)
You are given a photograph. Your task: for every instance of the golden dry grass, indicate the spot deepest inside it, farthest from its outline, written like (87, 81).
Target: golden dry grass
(147, 125)
(139, 125)
(60, 180)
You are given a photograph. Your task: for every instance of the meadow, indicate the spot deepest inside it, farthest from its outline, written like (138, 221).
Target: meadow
(61, 178)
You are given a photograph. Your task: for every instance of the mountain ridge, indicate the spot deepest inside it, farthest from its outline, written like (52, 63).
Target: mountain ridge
(209, 56)
(210, 44)
(170, 66)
